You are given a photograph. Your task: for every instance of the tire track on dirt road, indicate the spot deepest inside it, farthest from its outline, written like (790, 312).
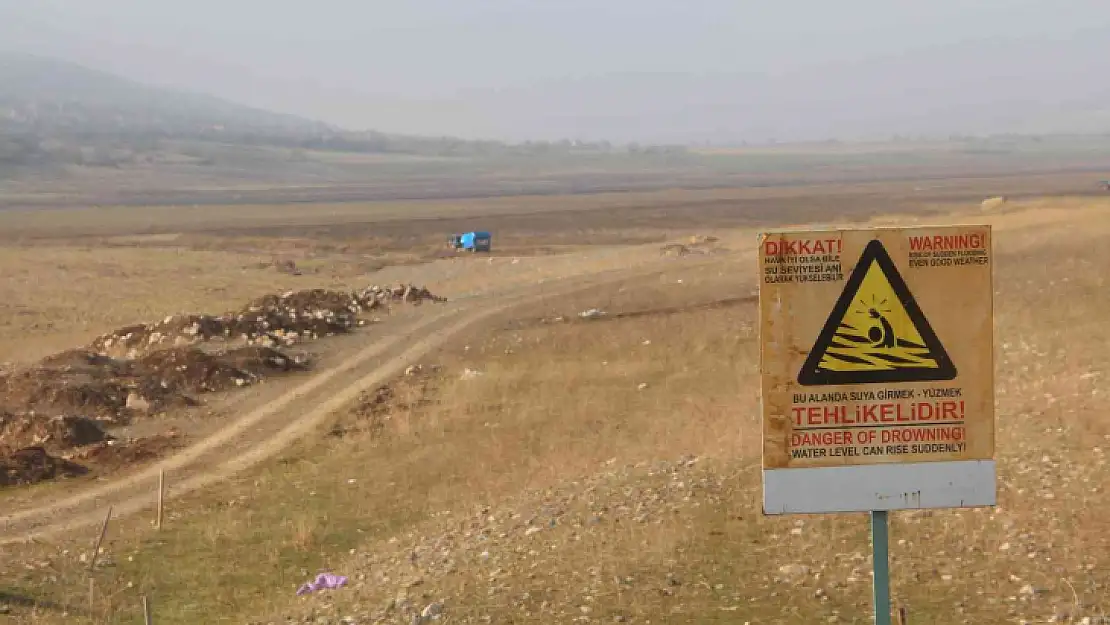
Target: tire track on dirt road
(268, 429)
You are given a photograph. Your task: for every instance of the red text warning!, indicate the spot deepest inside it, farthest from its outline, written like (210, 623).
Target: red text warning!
(947, 242)
(948, 250)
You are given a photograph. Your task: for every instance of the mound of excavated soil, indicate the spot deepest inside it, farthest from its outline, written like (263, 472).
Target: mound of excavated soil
(59, 403)
(115, 391)
(697, 244)
(260, 361)
(61, 387)
(31, 465)
(190, 370)
(56, 433)
(81, 360)
(81, 456)
(275, 319)
(99, 392)
(308, 301)
(674, 249)
(113, 455)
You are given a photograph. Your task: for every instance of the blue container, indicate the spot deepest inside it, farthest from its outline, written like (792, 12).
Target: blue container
(476, 241)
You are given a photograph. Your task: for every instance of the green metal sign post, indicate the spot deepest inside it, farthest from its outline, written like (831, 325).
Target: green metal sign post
(880, 559)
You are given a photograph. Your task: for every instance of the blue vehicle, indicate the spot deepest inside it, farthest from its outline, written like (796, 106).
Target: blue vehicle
(471, 241)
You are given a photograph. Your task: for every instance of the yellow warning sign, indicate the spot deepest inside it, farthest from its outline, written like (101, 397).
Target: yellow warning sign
(876, 348)
(876, 332)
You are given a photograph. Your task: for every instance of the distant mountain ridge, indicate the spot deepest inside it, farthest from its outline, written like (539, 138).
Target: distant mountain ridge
(49, 95)
(55, 112)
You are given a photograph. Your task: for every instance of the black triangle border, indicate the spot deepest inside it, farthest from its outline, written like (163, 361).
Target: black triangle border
(809, 375)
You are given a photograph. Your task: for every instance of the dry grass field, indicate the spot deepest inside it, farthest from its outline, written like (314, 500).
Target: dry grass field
(543, 468)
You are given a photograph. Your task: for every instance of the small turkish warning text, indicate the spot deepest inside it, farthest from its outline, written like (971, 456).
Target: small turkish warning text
(802, 261)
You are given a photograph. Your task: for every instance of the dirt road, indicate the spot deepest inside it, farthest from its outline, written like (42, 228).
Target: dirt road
(266, 430)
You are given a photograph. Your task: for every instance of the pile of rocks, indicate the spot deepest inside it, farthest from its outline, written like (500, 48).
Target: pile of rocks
(695, 244)
(408, 293)
(269, 321)
(272, 320)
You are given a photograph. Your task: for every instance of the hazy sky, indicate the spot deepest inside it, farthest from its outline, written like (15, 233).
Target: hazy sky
(651, 70)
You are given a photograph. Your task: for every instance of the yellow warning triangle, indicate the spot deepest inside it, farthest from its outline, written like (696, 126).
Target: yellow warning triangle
(876, 333)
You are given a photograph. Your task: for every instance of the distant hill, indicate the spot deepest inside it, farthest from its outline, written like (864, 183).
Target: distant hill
(54, 112)
(49, 96)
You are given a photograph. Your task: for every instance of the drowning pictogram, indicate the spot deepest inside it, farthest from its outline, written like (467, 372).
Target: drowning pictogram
(876, 332)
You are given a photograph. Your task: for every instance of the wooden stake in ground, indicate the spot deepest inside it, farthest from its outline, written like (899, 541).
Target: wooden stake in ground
(146, 611)
(92, 594)
(902, 618)
(161, 498)
(100, 539)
